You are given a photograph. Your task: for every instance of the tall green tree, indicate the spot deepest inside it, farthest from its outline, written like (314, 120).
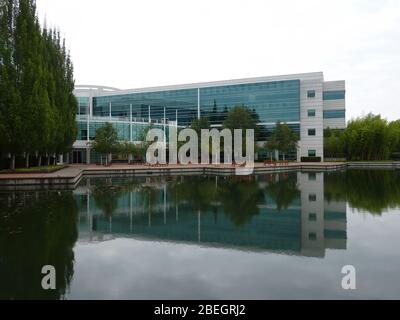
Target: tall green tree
(142, 144)
(334, 143)
(37, 105)
(283, 138)
(240, 117)
(367, 138)
(394, 136)
(11, 116)
(199, 124)
(106, 141)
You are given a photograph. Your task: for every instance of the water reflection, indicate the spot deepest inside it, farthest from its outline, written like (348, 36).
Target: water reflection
(36, 229)
(372, 191)
(285, 213)
(297, 214)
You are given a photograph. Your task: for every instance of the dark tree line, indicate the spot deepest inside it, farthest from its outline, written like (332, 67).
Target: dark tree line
(37, 105)
(369, 138)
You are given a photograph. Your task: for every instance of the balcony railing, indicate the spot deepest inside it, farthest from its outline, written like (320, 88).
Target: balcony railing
(124, 119)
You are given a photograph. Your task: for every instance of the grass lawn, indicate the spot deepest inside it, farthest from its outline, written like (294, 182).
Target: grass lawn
(43, 169)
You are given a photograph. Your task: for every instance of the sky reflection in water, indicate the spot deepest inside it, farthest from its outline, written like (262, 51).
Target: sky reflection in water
(263, 237)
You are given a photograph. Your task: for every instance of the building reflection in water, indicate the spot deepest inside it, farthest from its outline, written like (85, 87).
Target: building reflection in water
(283, 213)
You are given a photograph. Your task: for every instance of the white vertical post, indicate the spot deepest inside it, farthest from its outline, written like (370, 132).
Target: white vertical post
(130, 121)
(110, 110)
(149, 114)
(79, 108)
(165, 135)
(88, 128)
(176, 116)
(90, 106)
(198, 103)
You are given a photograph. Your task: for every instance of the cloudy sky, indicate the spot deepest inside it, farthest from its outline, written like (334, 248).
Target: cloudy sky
(131, 44)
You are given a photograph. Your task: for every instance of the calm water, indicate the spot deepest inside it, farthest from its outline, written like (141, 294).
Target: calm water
(262, 237)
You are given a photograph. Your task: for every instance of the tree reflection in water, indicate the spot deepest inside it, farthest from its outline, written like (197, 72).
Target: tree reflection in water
(283, 189)
(373, 191)
(36, 230)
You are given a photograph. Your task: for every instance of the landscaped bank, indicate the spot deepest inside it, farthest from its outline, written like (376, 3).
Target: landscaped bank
(70, 176)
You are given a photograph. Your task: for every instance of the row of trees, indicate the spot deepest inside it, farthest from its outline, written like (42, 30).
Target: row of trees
(282, 139)
(37, 105)
(366, 138)
(107, 143)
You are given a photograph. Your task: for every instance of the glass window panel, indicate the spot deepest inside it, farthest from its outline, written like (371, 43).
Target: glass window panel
(334, 114)
(334, 95)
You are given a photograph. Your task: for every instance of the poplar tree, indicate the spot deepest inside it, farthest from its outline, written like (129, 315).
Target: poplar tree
(11, 126)
(37, 105)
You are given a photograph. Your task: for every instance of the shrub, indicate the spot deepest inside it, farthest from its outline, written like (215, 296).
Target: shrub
(310, 159)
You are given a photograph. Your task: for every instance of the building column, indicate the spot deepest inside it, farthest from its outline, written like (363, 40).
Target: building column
(68, 153)
(88, 156)
(130, 122)
(149, 114)
(198, 103)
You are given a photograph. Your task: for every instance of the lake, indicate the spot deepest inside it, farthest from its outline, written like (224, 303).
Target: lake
(272, 236)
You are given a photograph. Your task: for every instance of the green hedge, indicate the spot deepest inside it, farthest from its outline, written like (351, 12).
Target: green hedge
(310, 159)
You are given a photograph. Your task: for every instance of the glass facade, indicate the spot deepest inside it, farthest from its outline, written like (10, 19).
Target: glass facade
(83, 105)
(334, 95)
(150, 104)
(123, 129)
(334, 114)
(269, 102)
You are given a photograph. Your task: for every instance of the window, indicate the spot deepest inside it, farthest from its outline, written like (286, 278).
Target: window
(312, 176)
(84, 134)
(312, 217)
(312, 197)
(334, 95)
(311, 113)
(311, 94)
(311, 132)
(312, 153)
(312, 236)
(334, 114)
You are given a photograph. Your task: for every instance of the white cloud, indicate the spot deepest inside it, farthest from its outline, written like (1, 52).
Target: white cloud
(144, 43)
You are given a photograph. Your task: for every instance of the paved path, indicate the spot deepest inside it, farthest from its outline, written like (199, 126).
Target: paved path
(69, 172)
(75, 170)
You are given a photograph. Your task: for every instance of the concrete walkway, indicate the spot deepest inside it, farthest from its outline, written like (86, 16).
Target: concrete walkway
(69, 177)
(69, 172)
